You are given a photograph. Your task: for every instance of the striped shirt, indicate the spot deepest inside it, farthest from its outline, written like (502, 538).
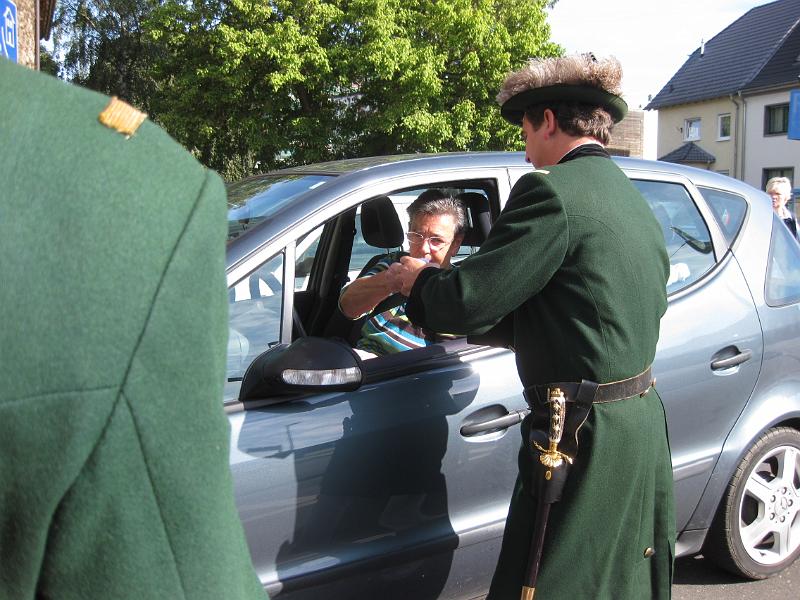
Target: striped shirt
(391, 331)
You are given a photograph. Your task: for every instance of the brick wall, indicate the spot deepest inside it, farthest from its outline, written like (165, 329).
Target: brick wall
(26, 32)
(627, 139)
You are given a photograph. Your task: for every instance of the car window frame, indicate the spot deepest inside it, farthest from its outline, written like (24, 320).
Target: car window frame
(780, 233)
(730, 242)
(719, 242)
(285, 241)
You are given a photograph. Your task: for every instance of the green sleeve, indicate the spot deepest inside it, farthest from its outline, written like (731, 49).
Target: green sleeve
(151, 513)
(525, 247)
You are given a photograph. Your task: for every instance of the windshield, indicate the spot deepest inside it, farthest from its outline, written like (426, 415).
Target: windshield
(252, 200)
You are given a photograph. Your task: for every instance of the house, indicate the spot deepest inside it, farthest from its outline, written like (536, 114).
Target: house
(727, 107)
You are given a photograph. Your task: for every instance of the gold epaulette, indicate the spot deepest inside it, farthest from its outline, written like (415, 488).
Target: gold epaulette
(122, 117)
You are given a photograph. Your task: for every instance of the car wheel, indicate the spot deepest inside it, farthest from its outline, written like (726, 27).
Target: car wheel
(756, 532)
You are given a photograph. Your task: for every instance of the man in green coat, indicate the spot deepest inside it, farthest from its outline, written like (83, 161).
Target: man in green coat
(114, 476)
(582, 265)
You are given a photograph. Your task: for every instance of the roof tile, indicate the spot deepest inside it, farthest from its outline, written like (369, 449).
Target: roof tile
(736, 57)
(689, 153)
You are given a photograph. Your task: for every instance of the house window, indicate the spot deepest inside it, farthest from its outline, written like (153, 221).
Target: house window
(776, 119)
(724, 127)
(691, 129)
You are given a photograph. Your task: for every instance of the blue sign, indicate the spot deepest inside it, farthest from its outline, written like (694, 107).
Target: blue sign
(8, 29)
(794, 115)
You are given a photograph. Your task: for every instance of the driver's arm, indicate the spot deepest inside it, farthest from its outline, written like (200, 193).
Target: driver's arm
(366, 292)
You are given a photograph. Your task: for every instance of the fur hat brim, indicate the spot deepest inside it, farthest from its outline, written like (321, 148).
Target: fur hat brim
(513, 109)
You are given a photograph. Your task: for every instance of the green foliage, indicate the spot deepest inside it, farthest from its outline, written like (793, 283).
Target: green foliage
(47, 64)
(103, 46)
(258, 84)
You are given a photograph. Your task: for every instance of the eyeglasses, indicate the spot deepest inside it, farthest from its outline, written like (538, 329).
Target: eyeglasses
(434, 242)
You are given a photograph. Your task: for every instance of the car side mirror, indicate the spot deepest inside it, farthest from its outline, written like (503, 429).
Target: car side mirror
(308, 364)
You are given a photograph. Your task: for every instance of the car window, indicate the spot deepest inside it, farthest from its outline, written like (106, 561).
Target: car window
(254, 199)
(363, 252)
(254, 317)
(306, 251)
(783, 271)
(728, 208)
(686, 235)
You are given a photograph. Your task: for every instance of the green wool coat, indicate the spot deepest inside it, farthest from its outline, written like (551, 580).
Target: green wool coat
(573, 278)
(114, 476)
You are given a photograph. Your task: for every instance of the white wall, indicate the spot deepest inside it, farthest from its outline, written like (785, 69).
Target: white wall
(671, 136)
(767, 152)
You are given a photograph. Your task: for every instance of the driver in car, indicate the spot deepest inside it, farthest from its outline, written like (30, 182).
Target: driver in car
(436, 228)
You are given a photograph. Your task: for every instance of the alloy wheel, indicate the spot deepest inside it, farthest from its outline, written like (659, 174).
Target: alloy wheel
(769, 521)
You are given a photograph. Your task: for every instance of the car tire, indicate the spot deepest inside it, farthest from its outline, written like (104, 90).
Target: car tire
(756, 531)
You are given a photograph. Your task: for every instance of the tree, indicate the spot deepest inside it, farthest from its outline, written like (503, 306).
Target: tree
(257, 84)
(103, 46)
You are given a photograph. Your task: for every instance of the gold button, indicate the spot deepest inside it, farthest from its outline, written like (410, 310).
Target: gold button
(648, 552)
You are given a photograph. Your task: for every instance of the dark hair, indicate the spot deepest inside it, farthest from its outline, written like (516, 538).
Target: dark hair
(576, 119)
(435, 202)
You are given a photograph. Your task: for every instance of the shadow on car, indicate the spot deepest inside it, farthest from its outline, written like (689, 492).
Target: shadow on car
(370, 497)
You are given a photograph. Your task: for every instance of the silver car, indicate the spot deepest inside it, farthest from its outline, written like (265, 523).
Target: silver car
(390, 477)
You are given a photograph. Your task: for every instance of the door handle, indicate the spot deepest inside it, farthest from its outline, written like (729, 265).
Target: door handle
(504, 422)
(736, 359)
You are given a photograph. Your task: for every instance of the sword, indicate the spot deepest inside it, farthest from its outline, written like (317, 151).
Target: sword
(548, 478)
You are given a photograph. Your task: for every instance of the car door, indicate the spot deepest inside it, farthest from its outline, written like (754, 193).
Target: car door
(710, 346)
(398, 488)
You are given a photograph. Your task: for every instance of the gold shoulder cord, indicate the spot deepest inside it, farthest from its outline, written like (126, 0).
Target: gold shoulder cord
(122, 117)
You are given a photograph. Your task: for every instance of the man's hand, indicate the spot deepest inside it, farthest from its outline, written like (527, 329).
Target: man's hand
(364, 294)
(408, 271)
(393, 277)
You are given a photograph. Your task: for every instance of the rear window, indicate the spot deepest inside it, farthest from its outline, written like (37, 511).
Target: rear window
(783, 271)
(686, 236)
(729, 210)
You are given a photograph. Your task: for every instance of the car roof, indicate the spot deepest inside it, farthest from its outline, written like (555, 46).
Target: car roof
(433, 161)
(355, 173)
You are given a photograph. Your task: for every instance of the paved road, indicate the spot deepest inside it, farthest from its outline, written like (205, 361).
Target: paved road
(698, 579)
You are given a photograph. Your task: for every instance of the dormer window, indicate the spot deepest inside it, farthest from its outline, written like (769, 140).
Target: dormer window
(691, 129)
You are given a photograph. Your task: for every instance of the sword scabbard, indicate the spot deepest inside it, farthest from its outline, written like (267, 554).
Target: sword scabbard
(527, 593)
(549, 469)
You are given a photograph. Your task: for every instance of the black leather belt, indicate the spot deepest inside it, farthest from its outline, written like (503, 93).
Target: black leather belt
(606, 392)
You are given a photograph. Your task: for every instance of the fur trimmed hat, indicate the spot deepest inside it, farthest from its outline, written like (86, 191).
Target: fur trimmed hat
(577, 78)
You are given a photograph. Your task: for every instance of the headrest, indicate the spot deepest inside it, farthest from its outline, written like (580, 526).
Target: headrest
(380, 224)
(480, 219)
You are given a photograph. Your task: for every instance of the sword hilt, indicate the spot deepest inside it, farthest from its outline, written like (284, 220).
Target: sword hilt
(551, 457)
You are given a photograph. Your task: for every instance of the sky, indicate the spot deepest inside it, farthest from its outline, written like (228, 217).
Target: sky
(651, 38)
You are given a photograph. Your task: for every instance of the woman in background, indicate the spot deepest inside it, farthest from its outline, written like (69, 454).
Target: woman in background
(779, 189)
